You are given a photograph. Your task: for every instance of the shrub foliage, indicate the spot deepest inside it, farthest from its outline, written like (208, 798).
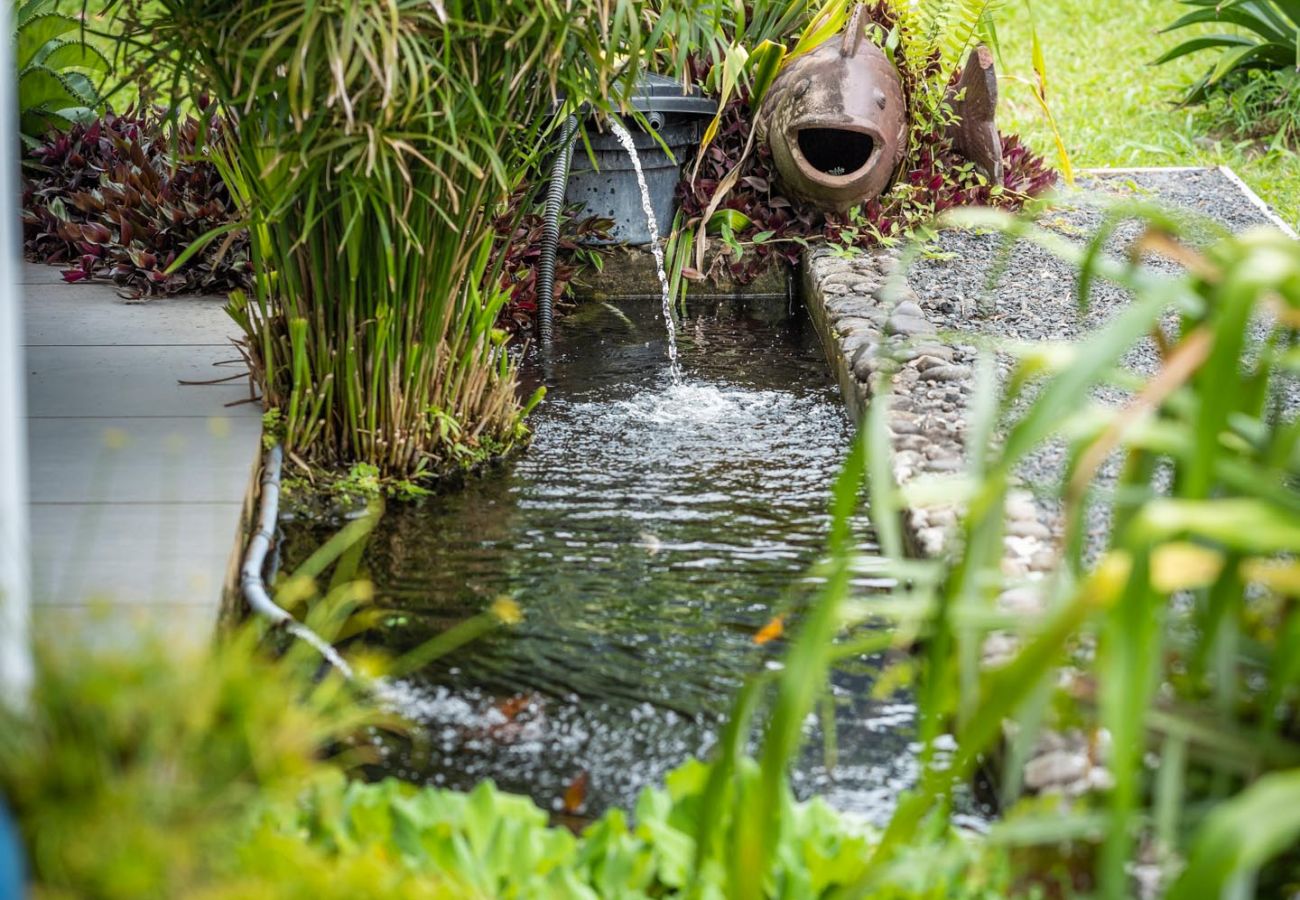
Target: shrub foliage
(123, 197)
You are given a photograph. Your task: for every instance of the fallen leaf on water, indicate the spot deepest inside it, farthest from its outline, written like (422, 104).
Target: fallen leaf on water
(576, 793)
(771, 631)
(511, 707)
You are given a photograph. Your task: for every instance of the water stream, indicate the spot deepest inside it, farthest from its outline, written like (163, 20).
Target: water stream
(655, 525)
(322, 646)
(652, 226)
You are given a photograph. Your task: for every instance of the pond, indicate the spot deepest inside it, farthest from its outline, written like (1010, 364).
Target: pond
(649, 534)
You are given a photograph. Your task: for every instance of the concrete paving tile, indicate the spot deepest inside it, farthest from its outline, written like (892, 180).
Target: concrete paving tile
(39, 273)
(174, 554)
(132, 381)
(91, 314)
(136, 460)
(104, 625)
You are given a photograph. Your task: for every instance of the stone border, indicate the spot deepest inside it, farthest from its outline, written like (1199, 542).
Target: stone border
(872, 326)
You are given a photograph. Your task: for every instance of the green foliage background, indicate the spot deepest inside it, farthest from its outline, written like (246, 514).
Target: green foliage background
(1113, 107)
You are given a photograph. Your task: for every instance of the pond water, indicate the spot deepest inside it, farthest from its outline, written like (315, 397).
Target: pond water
(649, 532)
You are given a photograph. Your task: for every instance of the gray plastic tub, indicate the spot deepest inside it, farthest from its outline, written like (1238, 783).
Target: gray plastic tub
(609, 189)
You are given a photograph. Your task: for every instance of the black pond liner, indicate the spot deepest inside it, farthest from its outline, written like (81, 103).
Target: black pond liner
(648, 533)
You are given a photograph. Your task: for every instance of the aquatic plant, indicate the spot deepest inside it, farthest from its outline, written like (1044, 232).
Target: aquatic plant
(369, 156)
(123, 197)
(1171, 633)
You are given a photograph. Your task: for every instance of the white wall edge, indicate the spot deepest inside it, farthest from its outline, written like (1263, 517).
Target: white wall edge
(16, 669)
(1253, 198)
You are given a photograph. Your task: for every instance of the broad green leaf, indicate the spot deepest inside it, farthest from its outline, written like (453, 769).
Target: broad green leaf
(42, 88)
(764, 64)
(1241, 835)
(30, 8)
(732, 219)
(38, 31)
(1244, 524)
(1195, 45)
(75, 55)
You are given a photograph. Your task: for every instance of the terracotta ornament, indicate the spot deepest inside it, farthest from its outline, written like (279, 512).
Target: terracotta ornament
(974, 98)
(836, 120)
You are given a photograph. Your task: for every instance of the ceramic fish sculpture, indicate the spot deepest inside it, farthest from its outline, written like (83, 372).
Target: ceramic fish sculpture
(974, 98)
(836, 120)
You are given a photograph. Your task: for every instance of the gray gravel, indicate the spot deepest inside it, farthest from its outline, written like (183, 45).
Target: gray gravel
(921, 337)
(1035, 298)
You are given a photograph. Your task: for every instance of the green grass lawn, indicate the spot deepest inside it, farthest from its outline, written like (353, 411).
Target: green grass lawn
(1112, 106)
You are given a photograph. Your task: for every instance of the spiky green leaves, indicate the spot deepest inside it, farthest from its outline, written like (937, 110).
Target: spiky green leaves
(1268, 37)
(55, 70)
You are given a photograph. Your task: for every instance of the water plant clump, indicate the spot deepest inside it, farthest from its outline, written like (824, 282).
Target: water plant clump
(368, 192)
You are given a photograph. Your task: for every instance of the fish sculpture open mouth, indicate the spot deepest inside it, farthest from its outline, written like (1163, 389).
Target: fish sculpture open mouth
(835, 151)
(836, 120)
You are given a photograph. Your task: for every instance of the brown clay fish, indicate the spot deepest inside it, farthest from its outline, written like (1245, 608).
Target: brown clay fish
(836, 121)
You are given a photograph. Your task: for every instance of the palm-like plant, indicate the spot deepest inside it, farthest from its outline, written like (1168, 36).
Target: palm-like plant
(374, 140)
(1268, 37)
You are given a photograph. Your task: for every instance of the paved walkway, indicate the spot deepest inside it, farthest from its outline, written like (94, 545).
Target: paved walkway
(137, 481)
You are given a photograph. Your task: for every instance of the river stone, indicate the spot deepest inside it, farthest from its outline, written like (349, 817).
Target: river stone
(909, 309)
(854, 343)
(943, 372)
(904, 425)
(904, 326)
(924, 361)
(1027, 527)
(850, 306)
(856, 324)
(1056, 769)
(866, 362)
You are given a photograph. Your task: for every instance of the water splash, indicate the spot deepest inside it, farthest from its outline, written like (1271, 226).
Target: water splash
(625, 138)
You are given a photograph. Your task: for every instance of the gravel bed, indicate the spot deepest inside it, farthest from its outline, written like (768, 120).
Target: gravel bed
(1035, 297)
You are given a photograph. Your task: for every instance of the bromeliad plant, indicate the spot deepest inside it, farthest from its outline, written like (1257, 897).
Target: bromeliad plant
(1265, 35)
(373, 143)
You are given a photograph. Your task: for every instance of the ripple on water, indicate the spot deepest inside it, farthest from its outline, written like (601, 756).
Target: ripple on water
(649, 531)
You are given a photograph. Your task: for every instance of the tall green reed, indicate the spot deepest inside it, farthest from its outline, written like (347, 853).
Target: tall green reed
(372, 143)
(1179, 624)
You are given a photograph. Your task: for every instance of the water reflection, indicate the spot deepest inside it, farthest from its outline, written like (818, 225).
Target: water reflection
(649, 532)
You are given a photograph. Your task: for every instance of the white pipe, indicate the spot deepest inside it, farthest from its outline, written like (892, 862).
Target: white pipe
(16, 670)
(250, 575)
